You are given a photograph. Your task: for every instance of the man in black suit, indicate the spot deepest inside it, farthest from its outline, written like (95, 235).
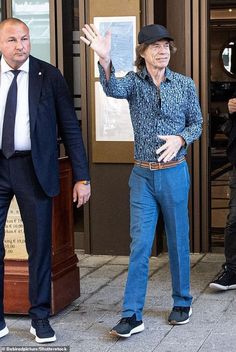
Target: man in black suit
(29, 160)
(227, 278)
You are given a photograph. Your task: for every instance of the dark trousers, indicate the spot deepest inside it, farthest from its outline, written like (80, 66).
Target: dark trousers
(17, 177)
(230, 229)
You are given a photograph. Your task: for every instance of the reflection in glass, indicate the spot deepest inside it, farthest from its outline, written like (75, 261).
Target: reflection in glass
(229, 57)
(36, 15)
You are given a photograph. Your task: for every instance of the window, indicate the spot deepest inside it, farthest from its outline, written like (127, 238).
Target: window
(35, 13)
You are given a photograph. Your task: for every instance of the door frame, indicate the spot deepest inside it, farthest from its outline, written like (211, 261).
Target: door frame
(192, 59)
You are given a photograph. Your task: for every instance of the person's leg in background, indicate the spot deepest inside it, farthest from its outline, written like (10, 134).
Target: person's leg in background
(227, 278)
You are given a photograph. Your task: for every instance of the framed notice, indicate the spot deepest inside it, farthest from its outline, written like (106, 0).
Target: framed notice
(123, 40)
(113, 121)
(14, 241)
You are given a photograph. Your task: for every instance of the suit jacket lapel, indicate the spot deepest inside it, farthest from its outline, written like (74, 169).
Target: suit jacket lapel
(35, 86)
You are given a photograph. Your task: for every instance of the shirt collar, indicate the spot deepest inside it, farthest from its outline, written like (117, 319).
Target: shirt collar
(6, 68)
(144, 74)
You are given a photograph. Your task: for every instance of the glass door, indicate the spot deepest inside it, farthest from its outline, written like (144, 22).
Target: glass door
(222, 84)
(36, 15)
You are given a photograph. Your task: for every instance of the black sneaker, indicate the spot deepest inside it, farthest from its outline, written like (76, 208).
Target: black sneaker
(180, 315)
(3, 329)
(42, 331)
(127, 326)
(225, 281)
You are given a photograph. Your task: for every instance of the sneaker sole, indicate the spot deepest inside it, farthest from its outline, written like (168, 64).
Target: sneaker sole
(4, 332)
(136, 330)
(221, 287)
(42, 340)
(174, 322)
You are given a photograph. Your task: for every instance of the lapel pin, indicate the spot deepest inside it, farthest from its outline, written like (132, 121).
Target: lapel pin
(40, 73)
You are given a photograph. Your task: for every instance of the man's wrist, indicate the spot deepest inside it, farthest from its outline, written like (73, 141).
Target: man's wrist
(84, 182)
(182, 141)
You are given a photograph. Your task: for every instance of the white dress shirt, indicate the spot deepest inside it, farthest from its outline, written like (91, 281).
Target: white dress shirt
(22, 123)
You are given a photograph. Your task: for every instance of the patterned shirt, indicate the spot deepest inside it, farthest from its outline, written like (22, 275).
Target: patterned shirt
(172, 109)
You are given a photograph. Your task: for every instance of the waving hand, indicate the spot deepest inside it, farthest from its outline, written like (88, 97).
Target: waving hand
(101, 45)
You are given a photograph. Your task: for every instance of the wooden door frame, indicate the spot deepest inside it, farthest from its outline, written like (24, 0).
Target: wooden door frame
(192, 41)
(200, 9)
(200, 74)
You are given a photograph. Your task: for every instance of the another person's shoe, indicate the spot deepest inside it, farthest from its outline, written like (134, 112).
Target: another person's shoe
(180, 315)
(225, 281)
(42, 331)
(127, 326)
(3, 329)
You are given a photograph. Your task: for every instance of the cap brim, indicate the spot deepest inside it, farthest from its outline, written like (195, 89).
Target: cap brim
(153, 40)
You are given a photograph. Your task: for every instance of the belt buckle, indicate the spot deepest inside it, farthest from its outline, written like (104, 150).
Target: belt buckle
(153, 168)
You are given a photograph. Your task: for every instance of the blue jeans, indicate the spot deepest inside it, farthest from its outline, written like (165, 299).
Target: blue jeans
(152, 191)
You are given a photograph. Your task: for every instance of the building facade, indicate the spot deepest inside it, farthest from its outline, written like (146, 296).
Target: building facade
(205, 35)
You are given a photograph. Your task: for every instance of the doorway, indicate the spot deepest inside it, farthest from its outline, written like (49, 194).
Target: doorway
(222, 82)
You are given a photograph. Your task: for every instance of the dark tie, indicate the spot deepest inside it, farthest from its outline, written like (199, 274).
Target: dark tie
(8, 147)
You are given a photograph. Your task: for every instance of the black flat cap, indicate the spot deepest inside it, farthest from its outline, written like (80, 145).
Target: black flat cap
(153, 32)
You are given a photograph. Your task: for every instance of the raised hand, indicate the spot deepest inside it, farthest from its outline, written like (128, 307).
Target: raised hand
(101, 45)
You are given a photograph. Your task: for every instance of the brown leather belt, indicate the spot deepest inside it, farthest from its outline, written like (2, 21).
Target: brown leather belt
(158, 166)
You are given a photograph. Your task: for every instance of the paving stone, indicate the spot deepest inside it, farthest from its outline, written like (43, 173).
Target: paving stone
(218, 342)
(85, 271)
(95, 260)
(107, 296)
(215, 258)
(120, 260)
(108, 271)
(119, 281)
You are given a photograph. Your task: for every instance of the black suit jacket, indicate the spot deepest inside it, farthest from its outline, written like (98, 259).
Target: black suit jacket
(231, 149)
(51, 108)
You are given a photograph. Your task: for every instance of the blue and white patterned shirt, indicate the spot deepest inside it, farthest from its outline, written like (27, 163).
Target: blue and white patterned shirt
(173, 109)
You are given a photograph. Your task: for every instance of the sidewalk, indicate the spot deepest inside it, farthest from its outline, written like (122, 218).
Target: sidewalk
(85, 324)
